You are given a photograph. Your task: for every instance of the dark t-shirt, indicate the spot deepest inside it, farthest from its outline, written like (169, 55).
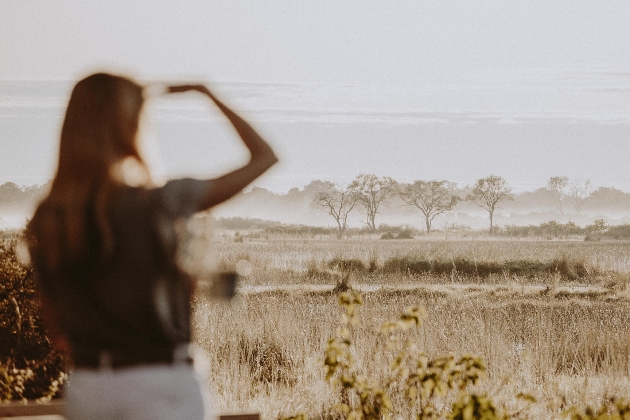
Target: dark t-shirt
(137, 300)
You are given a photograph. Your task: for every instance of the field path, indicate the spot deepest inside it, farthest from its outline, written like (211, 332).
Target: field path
(498, 290)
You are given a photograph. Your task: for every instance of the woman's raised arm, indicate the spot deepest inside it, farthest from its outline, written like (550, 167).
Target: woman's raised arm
(262, 156)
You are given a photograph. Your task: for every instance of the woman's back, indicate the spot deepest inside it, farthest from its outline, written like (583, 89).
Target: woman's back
(105, 250)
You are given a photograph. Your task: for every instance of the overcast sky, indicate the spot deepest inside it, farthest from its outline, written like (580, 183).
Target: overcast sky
(363, 41)
(566, 59)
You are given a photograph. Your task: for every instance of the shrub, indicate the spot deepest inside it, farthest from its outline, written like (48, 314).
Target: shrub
(406, 265)
(618, 232)
(405, 234)
(598, 226)
(266, 359)
(571, 269)
(342, 264)
(30, 368)
(549, 230)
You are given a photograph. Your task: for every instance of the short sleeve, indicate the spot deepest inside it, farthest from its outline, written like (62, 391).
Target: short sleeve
(184, 197)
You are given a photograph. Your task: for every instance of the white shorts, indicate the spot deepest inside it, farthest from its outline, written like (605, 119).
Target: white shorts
(137, 393)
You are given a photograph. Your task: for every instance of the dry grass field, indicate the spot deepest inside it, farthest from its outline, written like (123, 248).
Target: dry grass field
(559, 332)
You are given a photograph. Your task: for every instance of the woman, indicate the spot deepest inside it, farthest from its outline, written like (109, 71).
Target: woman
(104, 247)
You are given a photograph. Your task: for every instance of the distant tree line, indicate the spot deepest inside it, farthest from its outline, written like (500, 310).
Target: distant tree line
(367, 193)
(430, 198)
(369, 197)
(14, 198)
(255, 229)
(596, 230)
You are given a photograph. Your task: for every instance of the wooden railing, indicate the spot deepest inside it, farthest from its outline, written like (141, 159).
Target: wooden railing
(56, 408)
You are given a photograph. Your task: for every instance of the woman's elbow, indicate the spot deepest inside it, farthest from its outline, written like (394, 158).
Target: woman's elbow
(268, 159)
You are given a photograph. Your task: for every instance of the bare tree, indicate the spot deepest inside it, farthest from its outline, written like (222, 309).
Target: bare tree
(430, 197)
(337, 202)
(578, 191)
(488, 192)
(370, 192)
(557, 186)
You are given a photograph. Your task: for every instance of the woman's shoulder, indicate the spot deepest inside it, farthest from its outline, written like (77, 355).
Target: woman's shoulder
(182, 197)
(176, 198)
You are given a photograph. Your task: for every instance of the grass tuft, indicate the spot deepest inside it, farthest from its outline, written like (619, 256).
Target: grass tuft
(353, 264)
(568, 269)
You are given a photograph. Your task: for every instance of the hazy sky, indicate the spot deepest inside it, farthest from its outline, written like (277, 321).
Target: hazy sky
(524, 89)
(363, 41)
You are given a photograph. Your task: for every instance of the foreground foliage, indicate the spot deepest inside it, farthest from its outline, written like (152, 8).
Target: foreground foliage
(30, 369)
(613, 409)
(552, 343)
(432, 388)
(426, 383)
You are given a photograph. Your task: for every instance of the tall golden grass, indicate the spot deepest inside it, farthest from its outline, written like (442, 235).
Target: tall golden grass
(566, 341)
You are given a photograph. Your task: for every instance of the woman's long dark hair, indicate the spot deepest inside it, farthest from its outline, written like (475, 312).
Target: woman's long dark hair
(98, 134)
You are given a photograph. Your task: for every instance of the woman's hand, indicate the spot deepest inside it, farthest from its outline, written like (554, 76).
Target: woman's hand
(197, 88)
(187, 88)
